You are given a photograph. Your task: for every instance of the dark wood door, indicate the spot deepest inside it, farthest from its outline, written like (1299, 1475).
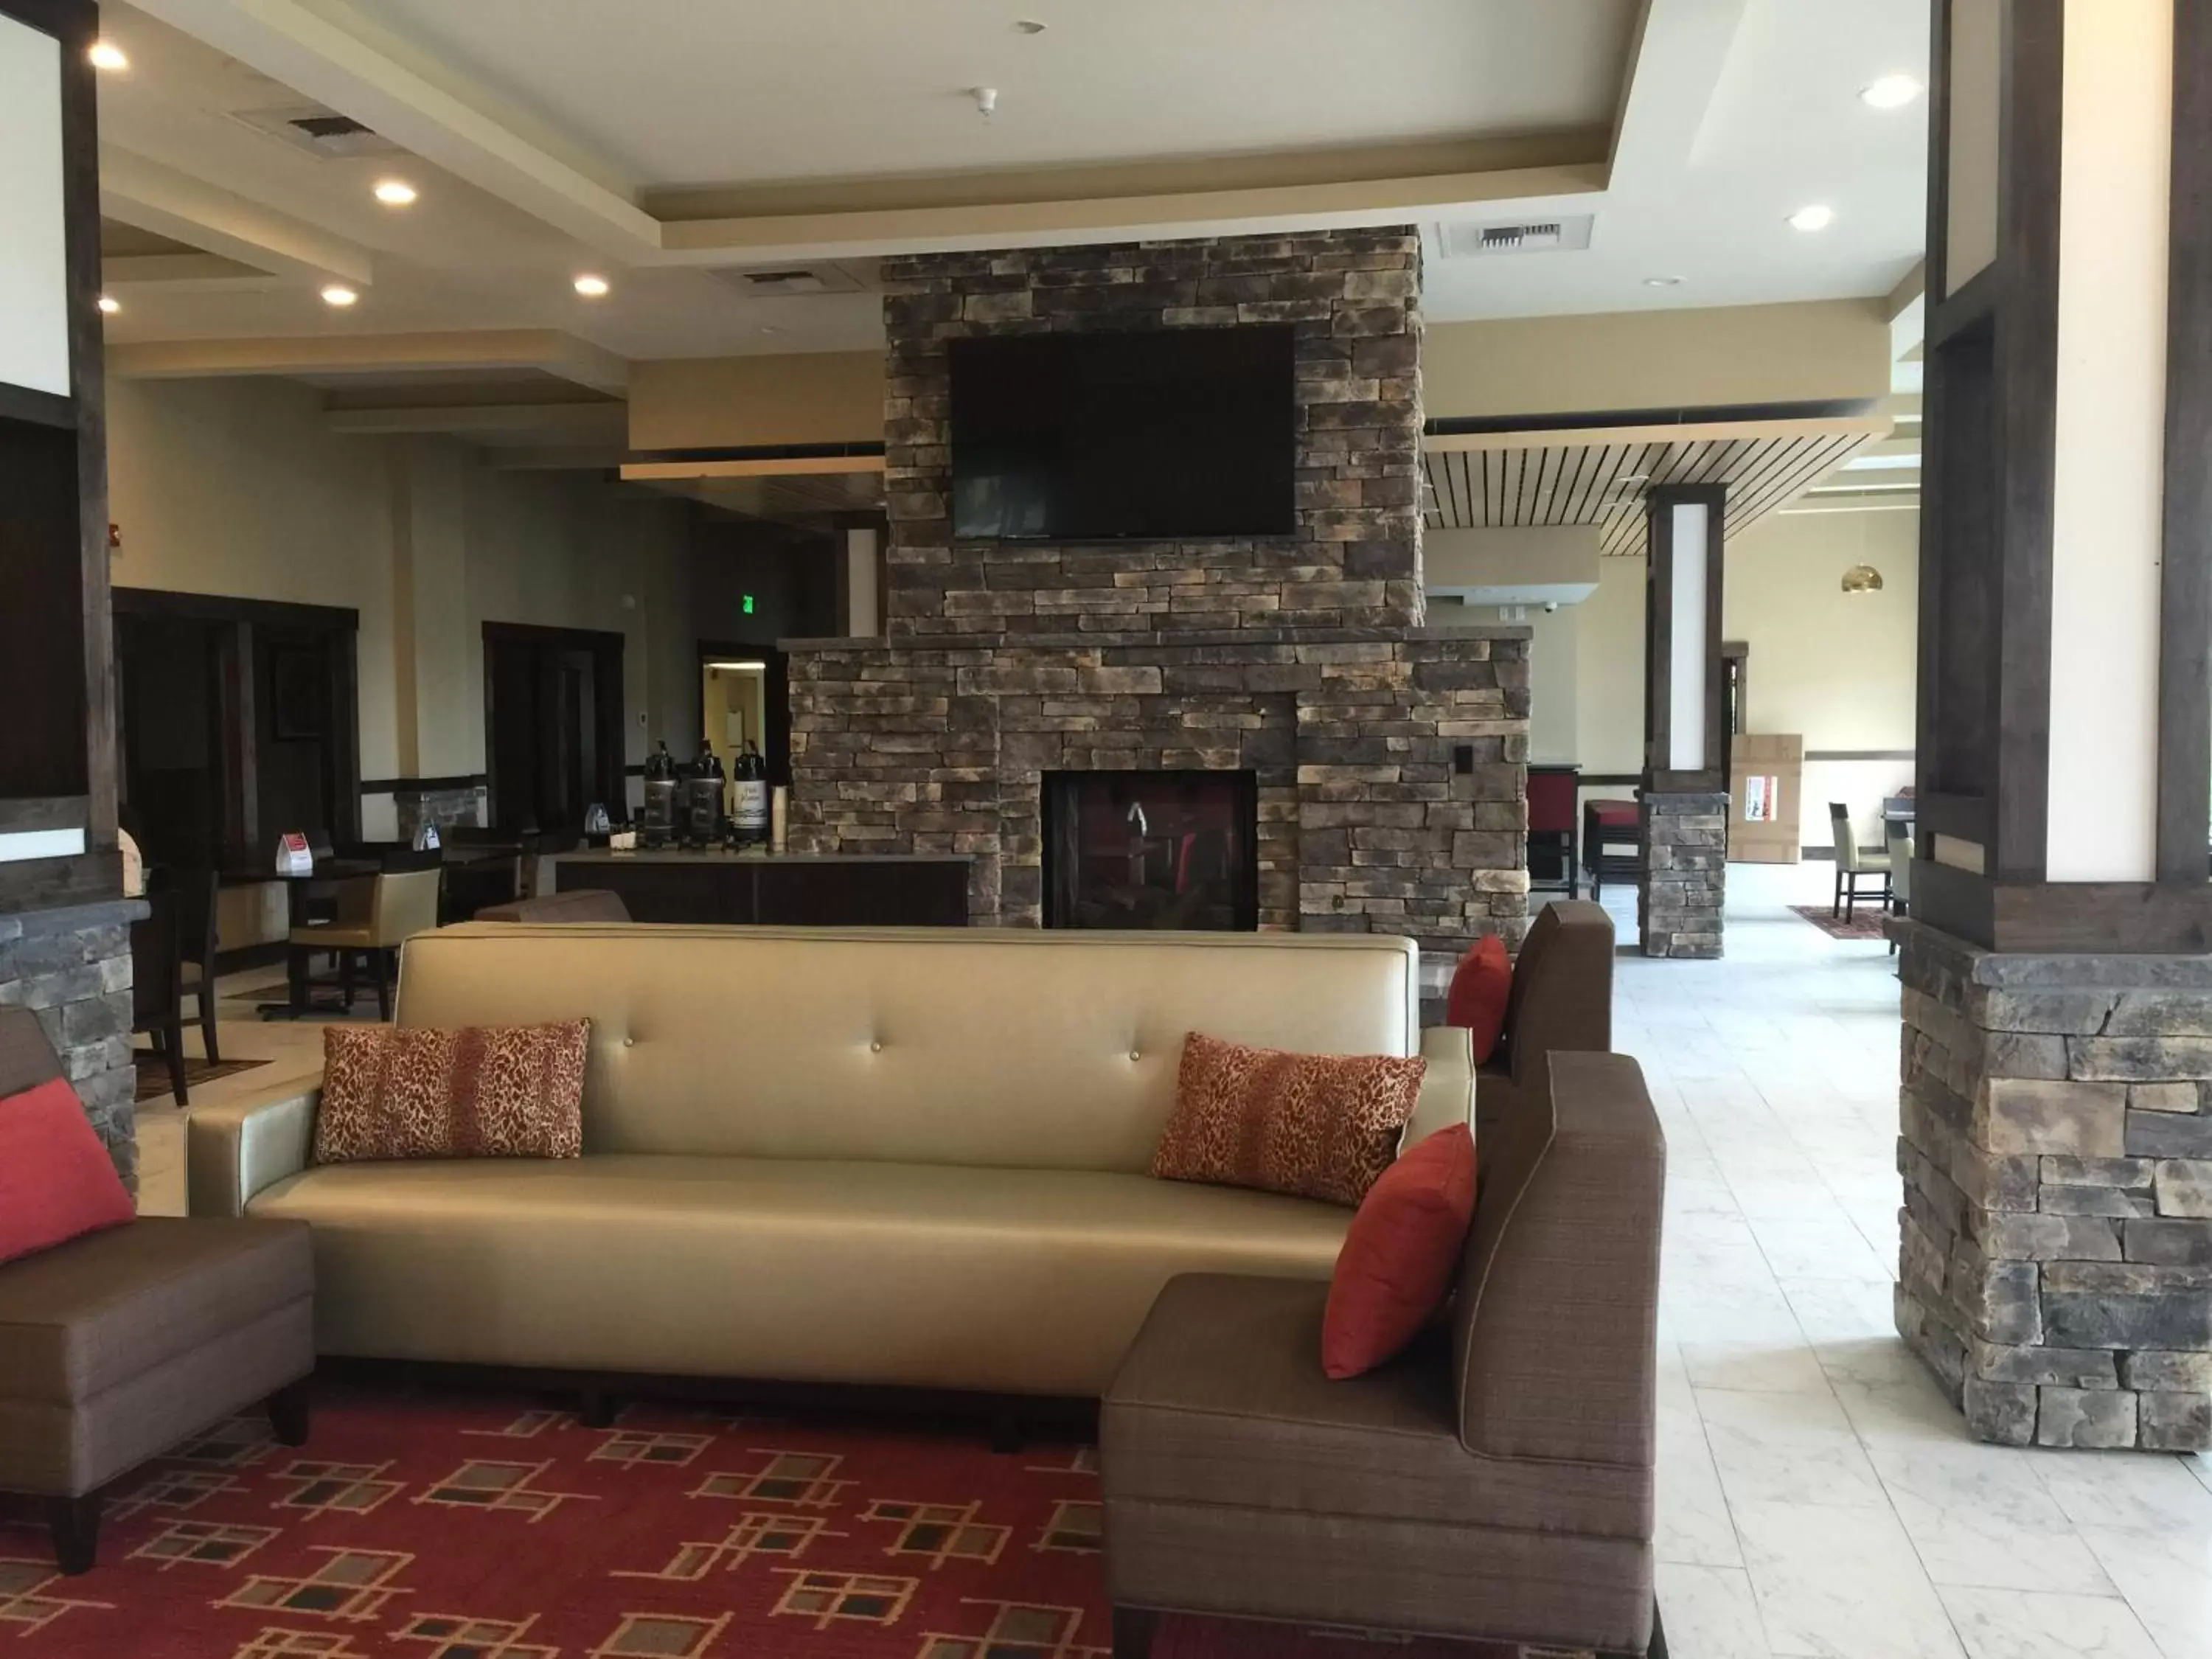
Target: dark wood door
(553, 726)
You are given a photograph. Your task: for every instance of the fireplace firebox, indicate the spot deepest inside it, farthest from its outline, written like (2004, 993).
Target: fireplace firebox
(1169, 849)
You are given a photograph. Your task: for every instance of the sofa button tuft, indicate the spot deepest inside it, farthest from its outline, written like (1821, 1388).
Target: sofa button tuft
(1134, 1054)
(876, 1047)
(630, 1042)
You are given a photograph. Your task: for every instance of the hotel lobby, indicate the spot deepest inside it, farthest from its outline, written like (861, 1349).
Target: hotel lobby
(913, 829)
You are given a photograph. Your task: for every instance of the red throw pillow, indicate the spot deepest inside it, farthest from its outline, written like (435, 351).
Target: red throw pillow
(406, 1091)
(1480, 985)
(1396, 1266)
(57, 1181)
(1312, 1126)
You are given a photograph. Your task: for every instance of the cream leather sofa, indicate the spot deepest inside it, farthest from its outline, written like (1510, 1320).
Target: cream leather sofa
(911, 1156)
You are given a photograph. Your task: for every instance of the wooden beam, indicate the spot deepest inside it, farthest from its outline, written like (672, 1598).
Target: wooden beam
(1870, 426)
(770, 467)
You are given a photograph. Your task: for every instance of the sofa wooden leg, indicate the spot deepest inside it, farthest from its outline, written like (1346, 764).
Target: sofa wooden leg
(597, 1409)
(289, 1410)
(75, 1523)
(1133, 1632)
(1658, 1648)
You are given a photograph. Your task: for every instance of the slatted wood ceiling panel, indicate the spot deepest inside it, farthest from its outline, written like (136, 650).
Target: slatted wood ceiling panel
(1590, 483)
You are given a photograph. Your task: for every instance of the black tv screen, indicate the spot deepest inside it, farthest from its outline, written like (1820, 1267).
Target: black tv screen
(1164, 435)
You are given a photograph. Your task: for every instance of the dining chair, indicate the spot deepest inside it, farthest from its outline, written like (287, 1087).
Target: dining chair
(376, 915)
(156, 997)
(1898, 842)
(196, 891)
(1553, 792)
(1853, 866)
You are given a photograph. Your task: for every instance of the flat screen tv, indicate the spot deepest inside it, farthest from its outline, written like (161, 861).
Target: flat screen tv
(1164, 434)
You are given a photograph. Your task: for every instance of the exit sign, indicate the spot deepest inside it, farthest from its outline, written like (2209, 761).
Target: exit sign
(749, 604)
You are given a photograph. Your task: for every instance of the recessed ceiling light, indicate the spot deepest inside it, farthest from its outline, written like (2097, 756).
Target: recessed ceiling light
(394, 192)
(337, 294)
(1890, 92)
(1662, 281)
(1816, 217)
(769, 328)
(106, 57)
(1028, 26)
(592, 287)
(107, 304)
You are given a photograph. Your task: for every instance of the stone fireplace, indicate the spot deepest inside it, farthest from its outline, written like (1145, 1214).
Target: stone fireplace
(1387, 761)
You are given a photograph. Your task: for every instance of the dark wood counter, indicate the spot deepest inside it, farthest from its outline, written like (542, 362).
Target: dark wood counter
(792, 890)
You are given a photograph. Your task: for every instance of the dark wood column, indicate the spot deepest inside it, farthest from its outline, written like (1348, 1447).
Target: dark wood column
(1685, 735)
(1995, 542)
(57, 742)
(1685, 725)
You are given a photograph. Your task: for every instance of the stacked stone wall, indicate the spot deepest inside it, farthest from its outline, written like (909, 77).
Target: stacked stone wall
(72, 968)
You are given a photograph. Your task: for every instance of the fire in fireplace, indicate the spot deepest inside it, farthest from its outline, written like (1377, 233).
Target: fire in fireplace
(1173, 849)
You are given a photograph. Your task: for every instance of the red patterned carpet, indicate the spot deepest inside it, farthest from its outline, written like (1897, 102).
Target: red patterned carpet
(459, 1527)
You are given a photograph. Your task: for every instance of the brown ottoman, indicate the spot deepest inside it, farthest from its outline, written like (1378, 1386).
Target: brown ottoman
(117, 1346)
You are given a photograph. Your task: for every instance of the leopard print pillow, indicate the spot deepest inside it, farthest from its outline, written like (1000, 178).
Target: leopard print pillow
(1312, 1126)
(482, 1091)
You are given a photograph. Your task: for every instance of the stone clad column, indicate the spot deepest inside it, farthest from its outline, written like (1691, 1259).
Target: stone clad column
(1684, 820)
(2055, 1266)
(1685, 874)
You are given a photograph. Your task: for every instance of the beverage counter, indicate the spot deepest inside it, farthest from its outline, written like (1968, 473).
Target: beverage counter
(792, 890)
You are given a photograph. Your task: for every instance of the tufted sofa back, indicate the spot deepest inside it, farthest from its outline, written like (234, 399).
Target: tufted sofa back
(1017, 1050)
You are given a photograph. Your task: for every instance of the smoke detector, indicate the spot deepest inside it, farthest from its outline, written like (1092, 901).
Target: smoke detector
(1459, 240)
(318, 129)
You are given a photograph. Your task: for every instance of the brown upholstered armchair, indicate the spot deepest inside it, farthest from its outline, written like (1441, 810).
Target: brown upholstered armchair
(116, 1345)
(1496, 1483)
(1562, 1002)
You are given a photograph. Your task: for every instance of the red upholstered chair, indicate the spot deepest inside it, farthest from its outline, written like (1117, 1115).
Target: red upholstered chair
(1552, 794)
(1613, 842)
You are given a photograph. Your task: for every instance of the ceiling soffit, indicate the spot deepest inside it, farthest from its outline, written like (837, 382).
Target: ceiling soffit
(354, 59)
(1599, 477)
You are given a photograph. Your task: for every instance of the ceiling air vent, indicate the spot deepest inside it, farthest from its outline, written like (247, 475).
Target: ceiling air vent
(1473, 241)
(317, 130)
(784, 281)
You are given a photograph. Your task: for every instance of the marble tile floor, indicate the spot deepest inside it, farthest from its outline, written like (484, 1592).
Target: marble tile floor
(1817, 1495)
(1818, 1499)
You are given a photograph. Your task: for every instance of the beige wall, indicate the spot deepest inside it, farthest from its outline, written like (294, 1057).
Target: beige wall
(1837, 670)
(735, 403)
(1822, 349)
(238, 487)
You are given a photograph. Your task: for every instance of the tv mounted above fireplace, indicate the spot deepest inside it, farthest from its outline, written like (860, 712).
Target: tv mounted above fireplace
(1164, 435)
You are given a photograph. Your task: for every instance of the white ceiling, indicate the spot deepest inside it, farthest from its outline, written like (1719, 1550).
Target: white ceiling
(1714, 159)
(706, 91)
(541, 131)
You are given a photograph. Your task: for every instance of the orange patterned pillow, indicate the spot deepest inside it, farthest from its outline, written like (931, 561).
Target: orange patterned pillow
(395, 1091)
(1312, 1126)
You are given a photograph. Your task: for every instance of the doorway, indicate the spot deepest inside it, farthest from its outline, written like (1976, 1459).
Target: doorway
(745, 695)
(236, 724)
(553, 726)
